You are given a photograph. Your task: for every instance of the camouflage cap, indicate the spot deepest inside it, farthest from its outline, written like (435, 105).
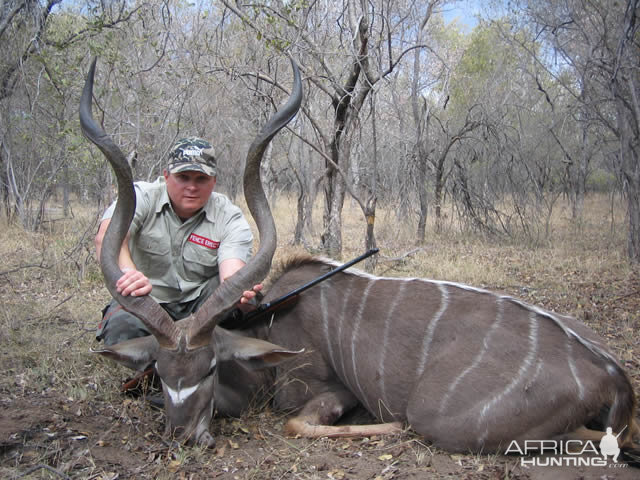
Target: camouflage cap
(192, 154)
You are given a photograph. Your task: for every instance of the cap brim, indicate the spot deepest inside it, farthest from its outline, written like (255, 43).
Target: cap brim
(192, 167)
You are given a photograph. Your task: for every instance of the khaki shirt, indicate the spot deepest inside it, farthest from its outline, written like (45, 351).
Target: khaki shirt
(180, 258)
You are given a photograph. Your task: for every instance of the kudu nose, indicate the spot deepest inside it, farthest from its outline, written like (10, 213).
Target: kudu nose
(200, 438)
(206, 440)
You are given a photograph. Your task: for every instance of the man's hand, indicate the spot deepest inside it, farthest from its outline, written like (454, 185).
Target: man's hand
(250, 299)
(249, 295)
(134, 283)
(228, 267)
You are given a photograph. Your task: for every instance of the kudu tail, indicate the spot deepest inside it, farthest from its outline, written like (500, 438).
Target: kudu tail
(622, 411)
(622, 418)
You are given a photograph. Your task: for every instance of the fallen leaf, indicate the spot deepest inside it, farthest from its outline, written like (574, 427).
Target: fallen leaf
(173, 466)
(385, 457)
(220, 451)
(240, 427)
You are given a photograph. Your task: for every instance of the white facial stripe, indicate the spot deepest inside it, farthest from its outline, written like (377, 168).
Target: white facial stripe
(179, 396)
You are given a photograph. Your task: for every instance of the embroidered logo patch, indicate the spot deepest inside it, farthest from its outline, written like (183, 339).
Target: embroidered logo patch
(192, 152)
(203, 241)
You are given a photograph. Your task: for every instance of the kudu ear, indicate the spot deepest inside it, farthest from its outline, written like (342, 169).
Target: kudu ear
(252, 353)
(136, 353)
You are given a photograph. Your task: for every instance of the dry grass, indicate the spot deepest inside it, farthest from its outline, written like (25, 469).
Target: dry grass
(52, 293)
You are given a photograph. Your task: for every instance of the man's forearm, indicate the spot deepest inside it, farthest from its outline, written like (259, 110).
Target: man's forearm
(124, 259)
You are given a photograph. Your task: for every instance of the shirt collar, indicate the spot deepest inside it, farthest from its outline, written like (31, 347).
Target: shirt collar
(209, 208)
(164, 197)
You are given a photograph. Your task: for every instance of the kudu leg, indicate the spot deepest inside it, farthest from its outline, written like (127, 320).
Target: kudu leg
(316, 418)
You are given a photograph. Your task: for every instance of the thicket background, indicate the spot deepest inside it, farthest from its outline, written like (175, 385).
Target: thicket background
(540, 100)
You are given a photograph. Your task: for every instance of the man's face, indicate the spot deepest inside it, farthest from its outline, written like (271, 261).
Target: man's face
(188, 191)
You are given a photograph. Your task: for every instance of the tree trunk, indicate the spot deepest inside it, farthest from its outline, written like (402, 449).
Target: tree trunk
(421, 118)
(314, 186)
(4, 185)
(628, 122)
(370, 237)
(65, 190)
(372, 196)
(630, 159)
(334, 200)
(422, 213)
(632, 190)
(439, 187)
(298, 234)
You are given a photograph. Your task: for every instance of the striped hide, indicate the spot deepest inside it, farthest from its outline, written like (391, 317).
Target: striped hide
(468, 369)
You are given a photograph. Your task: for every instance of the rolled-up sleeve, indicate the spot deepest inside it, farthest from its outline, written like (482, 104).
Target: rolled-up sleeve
(237, 240)
(142, 208)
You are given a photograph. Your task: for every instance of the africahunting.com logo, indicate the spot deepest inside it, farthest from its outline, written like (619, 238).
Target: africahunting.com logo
(569, 453)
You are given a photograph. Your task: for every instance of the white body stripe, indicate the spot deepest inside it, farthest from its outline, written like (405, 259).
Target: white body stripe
(574, 371)
(522, 371)
(385, 340)
(341, 318)
(426, 343)
(324, 310)
(476, 360)
(354, 336)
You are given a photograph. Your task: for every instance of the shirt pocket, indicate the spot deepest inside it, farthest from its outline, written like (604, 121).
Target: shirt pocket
(200, 263)
(153, 254)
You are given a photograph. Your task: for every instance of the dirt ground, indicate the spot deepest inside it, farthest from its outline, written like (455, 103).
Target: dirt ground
(62, 415)
(44, 435)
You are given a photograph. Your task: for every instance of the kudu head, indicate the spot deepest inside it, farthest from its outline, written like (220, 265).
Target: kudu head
(187, 352)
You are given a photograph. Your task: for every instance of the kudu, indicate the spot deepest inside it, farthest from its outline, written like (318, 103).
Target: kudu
(468, 369)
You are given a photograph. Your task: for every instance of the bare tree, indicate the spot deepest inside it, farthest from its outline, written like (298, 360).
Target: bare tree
(598, 45)
(345, 64)
(39, 62)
